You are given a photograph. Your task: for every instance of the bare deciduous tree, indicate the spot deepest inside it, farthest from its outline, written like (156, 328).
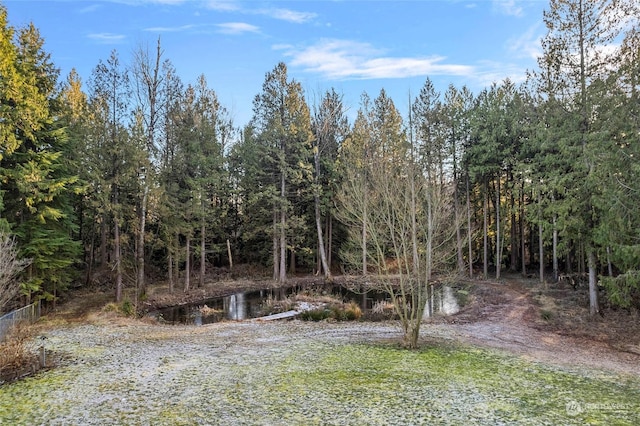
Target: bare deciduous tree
(410, 230)
(10, 267)
(404, 216)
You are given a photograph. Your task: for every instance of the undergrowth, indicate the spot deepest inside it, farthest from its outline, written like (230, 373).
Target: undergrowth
(18, 354)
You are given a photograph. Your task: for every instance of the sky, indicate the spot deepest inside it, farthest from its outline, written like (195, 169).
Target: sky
(354, 46)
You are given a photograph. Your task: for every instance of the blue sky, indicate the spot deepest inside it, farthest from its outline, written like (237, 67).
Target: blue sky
(353, 46)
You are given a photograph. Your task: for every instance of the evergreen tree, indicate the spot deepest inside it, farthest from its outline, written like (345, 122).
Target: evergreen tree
(330, 128)
(39, 185)
(282, 123)
(574, 58)
(113, 160)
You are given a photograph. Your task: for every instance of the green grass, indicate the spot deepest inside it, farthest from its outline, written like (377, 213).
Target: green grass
(455, 386)
(319, 381)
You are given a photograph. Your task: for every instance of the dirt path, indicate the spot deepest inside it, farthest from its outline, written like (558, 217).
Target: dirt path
(506, 317)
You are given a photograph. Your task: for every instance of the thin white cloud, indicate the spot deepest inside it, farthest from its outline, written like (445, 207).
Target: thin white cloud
(143, 2)
(107, 38)
(170, 29)
(282, 46)
(237, 28)
(170, 2)
(527, 45)
(89, 9)
(488, 72)
(281, 14)
(345, 59)
(288, 15)
(508, 7)
(222, 5)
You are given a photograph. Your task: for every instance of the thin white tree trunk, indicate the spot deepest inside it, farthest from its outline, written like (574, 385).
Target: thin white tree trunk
(321, 249)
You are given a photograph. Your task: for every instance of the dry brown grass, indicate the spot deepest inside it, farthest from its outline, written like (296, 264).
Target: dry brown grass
(18, 354)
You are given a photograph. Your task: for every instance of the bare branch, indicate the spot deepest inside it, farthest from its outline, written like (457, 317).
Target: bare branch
(10, 267)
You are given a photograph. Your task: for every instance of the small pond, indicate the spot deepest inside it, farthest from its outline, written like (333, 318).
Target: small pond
(255, 304)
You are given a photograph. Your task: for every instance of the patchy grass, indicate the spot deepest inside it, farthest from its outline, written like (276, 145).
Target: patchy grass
(303, 373)
(453, 385)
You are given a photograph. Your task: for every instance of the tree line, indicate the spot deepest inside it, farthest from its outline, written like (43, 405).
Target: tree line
(137, 175)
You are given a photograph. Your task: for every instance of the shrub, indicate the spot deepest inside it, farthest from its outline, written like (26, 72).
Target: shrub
(317, 314)
(18, 354)
(126, 308)
(546, 315)
(336, 311)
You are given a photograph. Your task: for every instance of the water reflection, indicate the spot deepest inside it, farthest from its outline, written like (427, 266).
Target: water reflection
(441, 300)
(242, 306)
(236, 307)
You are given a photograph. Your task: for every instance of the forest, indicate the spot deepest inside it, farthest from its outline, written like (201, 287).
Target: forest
(133, 176)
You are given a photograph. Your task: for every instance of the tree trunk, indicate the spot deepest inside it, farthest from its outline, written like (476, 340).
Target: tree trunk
(330, 239)
(498, 234)
(230, 255)
(456, 206)
(103, 241)
(90, 264)
(540, 240)
(116, 251)
(523, 240)
(187, 267)
(532, 244)
(364, 236)
(292, 262)
(469, 233)
(593, 284)
(143, 220)
(581, 267)
(414, 226)
(541, 252)
(203, 252)
(170, 268)
(282, 277)
(276, 256)
(485, 231)
(321, 250)
(556, 271)
(316, 199)
(513, 264)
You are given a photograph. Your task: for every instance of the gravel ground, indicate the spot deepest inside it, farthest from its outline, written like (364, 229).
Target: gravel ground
(295, 372)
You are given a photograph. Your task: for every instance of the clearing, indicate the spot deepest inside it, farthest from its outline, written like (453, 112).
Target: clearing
(513, 355)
